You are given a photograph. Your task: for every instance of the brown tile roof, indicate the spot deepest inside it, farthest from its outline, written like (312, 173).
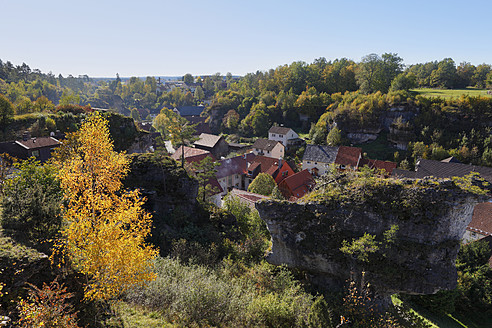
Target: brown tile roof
(208, 140)
(426, 167)
(39, 142)
(217, 189)
(247, 197)
(279, 130)
(231, 166)
(348, 156)
(191, 154)
(482, 219)
(265, 144)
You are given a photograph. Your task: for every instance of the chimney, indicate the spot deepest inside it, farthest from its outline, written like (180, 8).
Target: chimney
(280, 163)
(26, 136)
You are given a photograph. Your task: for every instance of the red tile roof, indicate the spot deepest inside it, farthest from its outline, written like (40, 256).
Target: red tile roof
(299, 184)
(482, 219)
(377, 164)
(348, 156)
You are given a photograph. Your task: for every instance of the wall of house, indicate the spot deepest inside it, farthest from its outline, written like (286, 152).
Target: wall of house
(284, 172)
(470, 236)
(322, 167)
(228, 182)
(220, 149)
(283, 138)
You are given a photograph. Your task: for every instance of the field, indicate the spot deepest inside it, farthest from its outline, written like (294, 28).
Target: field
(455, 93)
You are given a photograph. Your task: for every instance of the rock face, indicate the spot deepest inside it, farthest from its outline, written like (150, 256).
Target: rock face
(421, 259)
(165, 185)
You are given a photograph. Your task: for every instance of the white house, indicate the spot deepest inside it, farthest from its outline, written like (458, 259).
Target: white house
(286, 136)
(317, 159)
(269, 148)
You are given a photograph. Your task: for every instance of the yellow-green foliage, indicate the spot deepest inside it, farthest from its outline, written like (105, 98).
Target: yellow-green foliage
(106, 231)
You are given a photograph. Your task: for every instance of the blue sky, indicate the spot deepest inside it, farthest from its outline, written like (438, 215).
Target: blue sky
(140, 38)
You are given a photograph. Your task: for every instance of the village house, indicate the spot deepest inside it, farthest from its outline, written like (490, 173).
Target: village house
(278, 169)
(38, 147)
(247, 197)
(201, 125)
(286, 136)
(212, 143)
(348, 157)
(191, 155)
(481, 223)
(317, 159)
(377, 164)
(231, 173)
(297, 185)
(269, 148)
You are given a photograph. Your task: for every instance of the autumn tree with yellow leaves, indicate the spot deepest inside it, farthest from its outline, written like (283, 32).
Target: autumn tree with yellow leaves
(106, 227)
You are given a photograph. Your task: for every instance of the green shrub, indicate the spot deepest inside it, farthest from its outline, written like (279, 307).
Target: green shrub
(31, 202)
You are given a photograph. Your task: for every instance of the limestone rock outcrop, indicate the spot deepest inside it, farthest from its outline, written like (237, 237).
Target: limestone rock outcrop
(431, 216)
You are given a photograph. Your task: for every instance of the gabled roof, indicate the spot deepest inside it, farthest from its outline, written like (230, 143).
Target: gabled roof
(482, 219)
(247, 197)
(208, 140)
(190, 110)
(348, 156)
(39, 142)
(451, 159)
(190, 154)
(231, 166)
(427, 167)
(279, 130)
(299, 183)
(216, 188)
(265, 144)
(318, 153)
(377, 164)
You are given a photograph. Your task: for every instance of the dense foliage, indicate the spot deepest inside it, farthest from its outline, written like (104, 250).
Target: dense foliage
(31, 203)
(106, 227)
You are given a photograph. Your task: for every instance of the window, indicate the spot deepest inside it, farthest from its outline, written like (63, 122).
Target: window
(308, 162)
(280, 135)
(35, 153)
(273, 134)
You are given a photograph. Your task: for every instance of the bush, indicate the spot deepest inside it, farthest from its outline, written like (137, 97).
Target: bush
(193, 294)
(47, 307)
(31, 202)
(234, 295)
